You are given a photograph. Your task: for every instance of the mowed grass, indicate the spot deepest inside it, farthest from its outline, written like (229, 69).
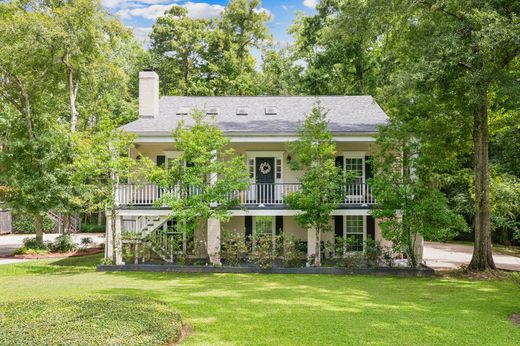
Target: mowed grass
(262, 309)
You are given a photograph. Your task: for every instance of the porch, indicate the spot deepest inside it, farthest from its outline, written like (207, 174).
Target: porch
(258, 195)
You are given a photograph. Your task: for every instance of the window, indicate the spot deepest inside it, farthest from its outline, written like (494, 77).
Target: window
(242, 111)
(212, 111)
(270, 111)
(355, 166)
(355, 232)
(183, 111)
(264, 225)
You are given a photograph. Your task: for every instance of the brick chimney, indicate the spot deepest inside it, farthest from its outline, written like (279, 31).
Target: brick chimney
(148, 94)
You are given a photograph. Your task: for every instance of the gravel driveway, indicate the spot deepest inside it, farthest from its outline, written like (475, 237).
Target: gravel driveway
(450, 256)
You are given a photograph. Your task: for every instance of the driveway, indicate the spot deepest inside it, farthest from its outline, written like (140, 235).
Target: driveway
(11, 242)
(451, 256)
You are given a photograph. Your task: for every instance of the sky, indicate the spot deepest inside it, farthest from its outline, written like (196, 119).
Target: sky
(141, 14)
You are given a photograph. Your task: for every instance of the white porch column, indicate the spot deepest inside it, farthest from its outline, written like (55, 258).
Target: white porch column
(213, 240)
(311, 242)
(109, 245)
(118, 244)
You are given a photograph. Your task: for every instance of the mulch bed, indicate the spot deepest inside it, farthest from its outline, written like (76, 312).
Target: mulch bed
(58, 254)
(516, 319)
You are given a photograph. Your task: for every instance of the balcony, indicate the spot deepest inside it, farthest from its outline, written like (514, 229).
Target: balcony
(258, 195)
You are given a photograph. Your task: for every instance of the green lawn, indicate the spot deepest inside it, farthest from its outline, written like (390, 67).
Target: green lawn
(294, 309)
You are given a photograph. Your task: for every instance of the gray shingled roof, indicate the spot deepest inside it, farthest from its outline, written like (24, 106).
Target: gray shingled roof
(345, 114)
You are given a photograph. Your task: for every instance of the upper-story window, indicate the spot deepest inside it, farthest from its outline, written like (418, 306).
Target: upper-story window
(354, 165)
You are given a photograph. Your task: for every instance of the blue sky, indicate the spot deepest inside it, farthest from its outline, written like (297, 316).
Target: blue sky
(141, 14)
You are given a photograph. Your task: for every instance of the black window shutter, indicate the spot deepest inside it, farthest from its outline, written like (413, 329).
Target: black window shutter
(248, 225)
(371, 227)
(338, 226)
(160, 160)
(339, 161)
(368, 167)
(278, 225)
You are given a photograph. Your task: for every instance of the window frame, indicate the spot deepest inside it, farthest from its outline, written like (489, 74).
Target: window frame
(364, 232)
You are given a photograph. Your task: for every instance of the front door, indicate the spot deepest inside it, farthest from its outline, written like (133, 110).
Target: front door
(265, 180)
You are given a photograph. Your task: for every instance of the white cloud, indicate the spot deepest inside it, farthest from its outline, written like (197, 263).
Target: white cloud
(198, 10)
(150, 12)
(310, 3)
(142, 35)
(123, 4)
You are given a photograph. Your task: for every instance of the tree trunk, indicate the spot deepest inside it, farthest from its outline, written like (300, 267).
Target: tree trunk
(100, 218)
(38, 223)
(317, 256)
(482, 254)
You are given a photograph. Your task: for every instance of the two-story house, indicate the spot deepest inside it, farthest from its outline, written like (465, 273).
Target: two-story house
(259, 128)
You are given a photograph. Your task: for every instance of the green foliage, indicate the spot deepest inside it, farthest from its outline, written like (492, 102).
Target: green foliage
(263, 253)
(314, 153)
(63, 243)
(86, 242)
(233, 248)
(505, 210)
(197, 194)
(407, 201)
(209, 57)
(92, 228)
(92, 320)
(35, 244)
(293, 255)
(24, 223)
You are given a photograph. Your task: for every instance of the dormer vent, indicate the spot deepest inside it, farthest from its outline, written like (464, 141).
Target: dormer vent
(242, 110)
(271, 111)
(212, 111)
(183, 111)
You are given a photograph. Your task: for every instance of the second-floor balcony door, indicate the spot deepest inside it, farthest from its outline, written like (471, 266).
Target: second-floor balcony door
(265, 173)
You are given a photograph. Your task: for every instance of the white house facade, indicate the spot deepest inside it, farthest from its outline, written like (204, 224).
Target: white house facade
(258, 128)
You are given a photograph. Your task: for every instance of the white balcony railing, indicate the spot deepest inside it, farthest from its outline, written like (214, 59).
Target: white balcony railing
(257, 194)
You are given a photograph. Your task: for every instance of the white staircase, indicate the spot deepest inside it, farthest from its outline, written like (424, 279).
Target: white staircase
(58, 218)
(149, 229)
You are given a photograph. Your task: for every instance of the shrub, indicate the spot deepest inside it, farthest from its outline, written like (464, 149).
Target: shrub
(373, 252)
(263, 253)
(86, 242)
(63, 243)
(352, 260)
(92, 228)
(27, 251)
(35, 244)
(234, 248)
(293, 255)
(24, 224)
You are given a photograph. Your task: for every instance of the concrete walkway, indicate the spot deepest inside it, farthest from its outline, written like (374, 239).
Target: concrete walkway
(451, 256)
(11, 242)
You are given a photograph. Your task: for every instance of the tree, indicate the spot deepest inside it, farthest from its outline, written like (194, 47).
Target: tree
(345, 46)
(408, 202)
(178, 42)
(279, 72)
(454, 54)
(205, 178)
(321, 191)
(36, 147)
